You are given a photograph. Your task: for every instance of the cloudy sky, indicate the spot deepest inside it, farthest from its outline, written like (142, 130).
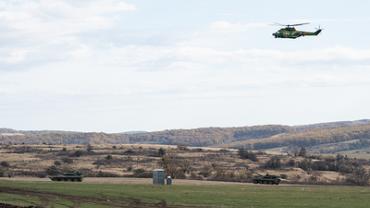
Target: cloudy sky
(121, 65)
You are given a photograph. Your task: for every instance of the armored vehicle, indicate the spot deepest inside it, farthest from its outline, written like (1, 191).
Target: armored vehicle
(75, 176)
(267, 179)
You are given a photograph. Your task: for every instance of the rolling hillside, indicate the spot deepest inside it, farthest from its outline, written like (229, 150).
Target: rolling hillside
(337, 136)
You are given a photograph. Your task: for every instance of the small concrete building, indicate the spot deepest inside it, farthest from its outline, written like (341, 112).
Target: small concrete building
(159, 176)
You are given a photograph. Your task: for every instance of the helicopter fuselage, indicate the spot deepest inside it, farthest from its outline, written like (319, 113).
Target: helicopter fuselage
(292, 33)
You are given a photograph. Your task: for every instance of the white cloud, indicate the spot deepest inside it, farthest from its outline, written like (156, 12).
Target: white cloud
(187, 71)
(111, 6)
(42, 18)
(14, 56)
(42, 31)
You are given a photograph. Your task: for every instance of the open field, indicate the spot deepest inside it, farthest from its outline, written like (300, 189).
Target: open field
(50, 194)
(180, 162)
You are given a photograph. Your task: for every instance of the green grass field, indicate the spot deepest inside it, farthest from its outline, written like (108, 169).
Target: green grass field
(225, 196)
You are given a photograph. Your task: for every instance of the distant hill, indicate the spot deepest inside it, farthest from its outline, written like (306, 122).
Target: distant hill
(336, 136)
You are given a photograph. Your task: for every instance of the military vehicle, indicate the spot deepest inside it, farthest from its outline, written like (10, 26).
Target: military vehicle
(267, 179)
(290, 32)
(74, 176)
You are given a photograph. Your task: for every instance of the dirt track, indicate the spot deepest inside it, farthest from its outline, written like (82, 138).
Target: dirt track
(119, 180)
(101, 180)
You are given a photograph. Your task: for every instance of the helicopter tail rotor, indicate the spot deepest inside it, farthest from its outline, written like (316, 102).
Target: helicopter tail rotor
(318, 30)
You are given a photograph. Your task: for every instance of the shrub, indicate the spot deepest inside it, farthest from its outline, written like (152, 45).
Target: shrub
(67, 160)
(77, 153)
(291, 163)
(302, 152)
(89, 148)
(109, 157)
(273, 163)
(141, 173)
(129, 152)
(245, 154)
(161, 152)
(305, 165)
(106, 174)
(320, 166)
(313, 179)
(57, 163)
(206, 171)
(4, 164)
(359, 177)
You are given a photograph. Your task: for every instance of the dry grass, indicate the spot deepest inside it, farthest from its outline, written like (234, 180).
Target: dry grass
(206, 164)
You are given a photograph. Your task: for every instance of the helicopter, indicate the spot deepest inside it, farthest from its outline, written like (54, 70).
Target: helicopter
(290, 32)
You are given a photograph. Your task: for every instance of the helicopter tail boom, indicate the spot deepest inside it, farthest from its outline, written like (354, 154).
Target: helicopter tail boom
(312, 33)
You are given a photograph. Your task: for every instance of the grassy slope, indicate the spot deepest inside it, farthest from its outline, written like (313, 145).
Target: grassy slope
(233, 196)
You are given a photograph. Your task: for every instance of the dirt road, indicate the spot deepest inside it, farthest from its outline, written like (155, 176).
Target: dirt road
(102, 180)
(119, 180)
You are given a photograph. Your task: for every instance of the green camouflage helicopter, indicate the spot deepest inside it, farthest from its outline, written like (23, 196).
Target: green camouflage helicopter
(290, 32)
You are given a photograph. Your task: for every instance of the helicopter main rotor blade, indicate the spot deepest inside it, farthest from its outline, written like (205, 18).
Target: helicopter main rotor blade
(292, 25)
(278, 24)
(300, 24)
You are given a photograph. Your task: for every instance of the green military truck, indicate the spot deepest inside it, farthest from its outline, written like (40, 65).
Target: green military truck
(73, 177)
(267, 179)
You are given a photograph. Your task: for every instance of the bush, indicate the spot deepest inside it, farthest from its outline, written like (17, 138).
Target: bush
(4, 164)
(206, 171)
(161, 152)
(106, 174)
(89, 148)
(129, 152)
(305, 165)
(77, 153)
(291, 163)
(109, 157)
(273, 163)
(57, 163)
(302, 152)
(320, 166)
(359, 177)
(67, 160)
(141, 173)
(245, 154)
